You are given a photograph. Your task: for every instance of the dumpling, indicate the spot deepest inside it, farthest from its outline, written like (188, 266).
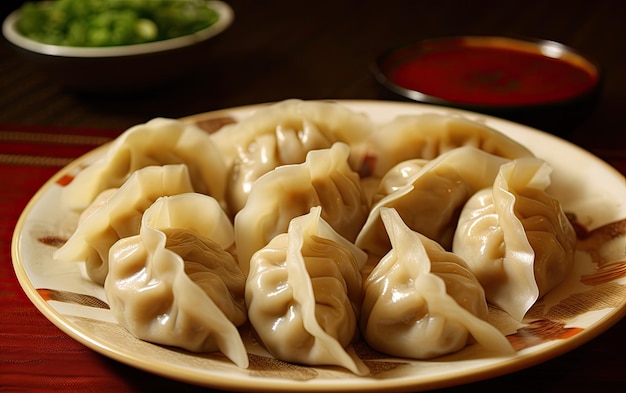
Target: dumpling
(397, 178)
(304, 292)
(430, 134)
(433, 197)
(298, 127)
(157, 142)
(117, 214)
(175, 284)
(283, 133)
(516, 238)
(264, 154)
(325, 179)
(421, 301)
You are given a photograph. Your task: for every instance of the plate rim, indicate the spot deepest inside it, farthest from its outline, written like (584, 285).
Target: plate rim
(266, 384)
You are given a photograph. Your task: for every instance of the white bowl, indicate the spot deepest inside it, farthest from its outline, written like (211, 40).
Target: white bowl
(119, 68)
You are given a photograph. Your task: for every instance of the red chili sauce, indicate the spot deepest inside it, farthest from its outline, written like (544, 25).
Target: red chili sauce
(492, 76)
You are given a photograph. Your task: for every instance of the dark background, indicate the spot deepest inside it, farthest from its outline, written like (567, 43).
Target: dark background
(323, 50)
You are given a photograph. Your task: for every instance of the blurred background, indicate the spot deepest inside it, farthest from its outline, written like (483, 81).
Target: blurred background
(323, 49)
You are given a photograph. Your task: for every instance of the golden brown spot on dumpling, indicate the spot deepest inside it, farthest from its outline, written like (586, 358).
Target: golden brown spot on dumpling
(214, 124)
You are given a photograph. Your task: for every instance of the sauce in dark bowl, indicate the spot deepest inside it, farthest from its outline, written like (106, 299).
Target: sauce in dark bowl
(522, 80)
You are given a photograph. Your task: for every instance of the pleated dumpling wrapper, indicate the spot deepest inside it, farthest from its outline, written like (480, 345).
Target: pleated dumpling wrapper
(158, 142)
(303, 295)
(116, 213)
(422, 302)
(282, 134)
(325, 179)
(431, 199)
(298, 126)
(175, 283)
(430, 134)
(516, 237)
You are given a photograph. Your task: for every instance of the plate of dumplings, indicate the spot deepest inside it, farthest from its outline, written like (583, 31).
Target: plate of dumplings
(310, 245)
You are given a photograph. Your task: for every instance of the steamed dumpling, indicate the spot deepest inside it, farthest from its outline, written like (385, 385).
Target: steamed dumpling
(516, 238)
(175, 284)
(117, 214)
(298, 126)
(155, 143)
(397, 178)
(264, 154)
(421, 301)
(304, 292)
(325, 179)
(429, 135)
(433, 197)
(282, 134)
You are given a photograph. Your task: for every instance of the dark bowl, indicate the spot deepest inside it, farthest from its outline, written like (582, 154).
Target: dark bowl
(540, 83)
(120, 69)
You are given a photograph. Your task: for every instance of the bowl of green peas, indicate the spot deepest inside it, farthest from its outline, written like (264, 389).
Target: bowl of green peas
(113, 46)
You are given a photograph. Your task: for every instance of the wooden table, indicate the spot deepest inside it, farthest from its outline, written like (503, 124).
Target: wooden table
(277, 50)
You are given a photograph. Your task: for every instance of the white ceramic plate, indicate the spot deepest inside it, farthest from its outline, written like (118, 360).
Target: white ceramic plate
(591, 299)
